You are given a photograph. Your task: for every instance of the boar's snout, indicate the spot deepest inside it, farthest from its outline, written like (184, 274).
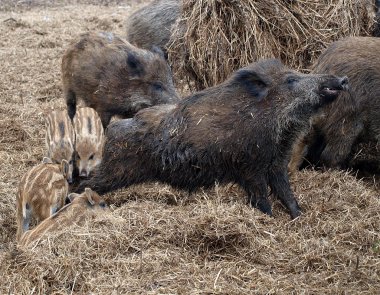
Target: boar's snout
(329, 89)
(83, 173)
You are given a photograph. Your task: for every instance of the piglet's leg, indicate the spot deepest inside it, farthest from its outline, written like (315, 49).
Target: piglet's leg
(279, 183)
(257, 190)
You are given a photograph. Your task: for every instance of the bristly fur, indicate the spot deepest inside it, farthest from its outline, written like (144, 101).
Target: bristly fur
(240, 131)
(354, 118)
(114, 77)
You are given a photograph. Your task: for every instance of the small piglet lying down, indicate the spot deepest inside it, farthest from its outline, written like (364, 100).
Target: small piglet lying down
(240, 131)
(80, 207)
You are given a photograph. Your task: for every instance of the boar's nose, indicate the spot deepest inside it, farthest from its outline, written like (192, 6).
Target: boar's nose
(344, 82)
(70, 180)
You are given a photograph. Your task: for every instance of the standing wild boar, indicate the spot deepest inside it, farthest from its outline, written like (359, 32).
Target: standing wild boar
(114, 77)
(42, 191)
(80, 207)
(240, 131)
(152, 24)
(89, 137)
(60, 139)
(352, 119)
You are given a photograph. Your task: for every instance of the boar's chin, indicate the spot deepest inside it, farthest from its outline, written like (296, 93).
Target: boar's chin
(328, 95)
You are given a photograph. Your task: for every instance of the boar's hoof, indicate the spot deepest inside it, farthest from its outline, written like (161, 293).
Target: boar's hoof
(295, 211)
(264, 206)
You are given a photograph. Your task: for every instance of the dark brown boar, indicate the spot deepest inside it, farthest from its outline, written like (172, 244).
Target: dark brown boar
(240, 131)
(152, 24)
(114, 77)
(352, 119)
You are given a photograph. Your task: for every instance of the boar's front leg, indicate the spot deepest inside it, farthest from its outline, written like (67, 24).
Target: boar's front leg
(280, 186)
(257, 190)
(105, 117)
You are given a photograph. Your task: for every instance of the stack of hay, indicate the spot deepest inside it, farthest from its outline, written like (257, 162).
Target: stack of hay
(215, 37)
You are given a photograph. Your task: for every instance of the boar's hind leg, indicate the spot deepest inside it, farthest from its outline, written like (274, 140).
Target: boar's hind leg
(257, 190)
(279, 183)
(71, 102)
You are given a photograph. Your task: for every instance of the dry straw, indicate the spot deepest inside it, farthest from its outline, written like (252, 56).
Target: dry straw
(216, 37)
(156, 240)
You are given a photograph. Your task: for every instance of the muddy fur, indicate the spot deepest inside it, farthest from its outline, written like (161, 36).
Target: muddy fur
(240, 131)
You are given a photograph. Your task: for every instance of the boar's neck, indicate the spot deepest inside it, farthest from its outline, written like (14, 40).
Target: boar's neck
(290, 126)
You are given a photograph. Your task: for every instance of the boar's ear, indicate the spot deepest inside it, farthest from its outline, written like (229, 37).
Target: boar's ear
(135, 66)
(70, 198)
(158, 50)
(89, 193)
(254, 83)
(65, 167)
(47, 160)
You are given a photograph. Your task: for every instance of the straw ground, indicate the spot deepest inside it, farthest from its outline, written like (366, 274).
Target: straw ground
(153, 239)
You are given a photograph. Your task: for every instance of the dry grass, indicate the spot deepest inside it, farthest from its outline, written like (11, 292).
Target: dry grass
(156, 240)
(221, 36)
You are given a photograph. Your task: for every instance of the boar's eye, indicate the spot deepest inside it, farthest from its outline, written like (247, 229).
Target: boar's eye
(158, 86)
(102, 205)
(91, 157)
(292, 80)
(71, 162)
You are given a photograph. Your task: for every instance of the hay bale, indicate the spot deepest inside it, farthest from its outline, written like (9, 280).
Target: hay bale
(224, 35)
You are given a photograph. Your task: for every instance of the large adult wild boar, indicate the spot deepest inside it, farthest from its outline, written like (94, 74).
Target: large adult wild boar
(152, 24)
(352, 119)
(240, 131)
(114, 77)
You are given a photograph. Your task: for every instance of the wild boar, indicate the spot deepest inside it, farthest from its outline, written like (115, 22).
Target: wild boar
(352, 119)
(41, 192)
(240, 131)
(152, 24)
(114, 77)
(79, 208)
(89, 138)
(60, 139)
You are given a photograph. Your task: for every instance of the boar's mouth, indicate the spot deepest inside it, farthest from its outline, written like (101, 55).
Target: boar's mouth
(330, 89)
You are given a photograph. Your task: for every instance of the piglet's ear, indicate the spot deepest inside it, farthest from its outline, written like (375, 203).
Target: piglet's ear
(254, 83)
(134, 64)
(71, 197)
(89, 193)
(47, 160)
(65, 167)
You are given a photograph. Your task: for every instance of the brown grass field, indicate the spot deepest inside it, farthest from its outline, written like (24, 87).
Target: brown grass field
(153, 239)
